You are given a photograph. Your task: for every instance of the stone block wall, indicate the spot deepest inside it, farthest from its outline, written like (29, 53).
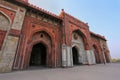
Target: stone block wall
(72, 25)
(13, 16)
(21, 27)
(39, 24)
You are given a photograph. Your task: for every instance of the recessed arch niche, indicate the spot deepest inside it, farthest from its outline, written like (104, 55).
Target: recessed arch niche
(78, 40)
(4, 27)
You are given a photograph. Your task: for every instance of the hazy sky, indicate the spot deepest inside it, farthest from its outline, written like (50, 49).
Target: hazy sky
(103, 17)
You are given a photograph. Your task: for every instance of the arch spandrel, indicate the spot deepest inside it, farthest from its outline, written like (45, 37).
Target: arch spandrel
(44, 38)
(4, 28)
(4, 22)
(81, 37)
(42, 35)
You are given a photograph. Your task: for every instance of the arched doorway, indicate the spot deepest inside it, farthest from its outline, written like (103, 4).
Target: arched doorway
(75, 56)
(38, 55)
(96, 53)
(78, 48)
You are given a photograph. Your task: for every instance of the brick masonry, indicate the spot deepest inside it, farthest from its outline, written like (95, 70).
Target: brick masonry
(24, 25)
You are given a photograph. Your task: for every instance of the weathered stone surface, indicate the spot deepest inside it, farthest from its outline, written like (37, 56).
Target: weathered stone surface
(10, 43)
(67, 40)
(9, 54)
(18, 21)
(64, 54)
(90, 56)
(4, 22)
(77, 41)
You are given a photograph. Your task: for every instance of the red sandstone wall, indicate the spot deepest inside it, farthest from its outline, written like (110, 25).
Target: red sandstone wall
(9, 14)
(96, 43)
(31, 26)
(10, 28)
(102, 48)
(72, 24)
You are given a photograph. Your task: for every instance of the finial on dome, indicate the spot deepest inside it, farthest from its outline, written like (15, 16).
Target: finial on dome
(87, 23)
(62, 10)
(25, 0)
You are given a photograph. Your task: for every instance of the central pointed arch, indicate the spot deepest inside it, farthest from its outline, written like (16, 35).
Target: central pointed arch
(38, 39)
(41, 49)
(38, 55)
(78, 47)
(83, 36)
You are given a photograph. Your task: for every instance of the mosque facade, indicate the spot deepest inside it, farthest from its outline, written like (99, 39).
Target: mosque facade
(31, 36)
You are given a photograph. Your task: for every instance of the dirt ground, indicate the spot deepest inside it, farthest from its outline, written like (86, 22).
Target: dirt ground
(84, 72)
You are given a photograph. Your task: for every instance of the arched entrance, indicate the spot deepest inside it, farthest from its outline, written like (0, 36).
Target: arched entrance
(78, 48)
(96, 53)
(75, 56)
(38, 55)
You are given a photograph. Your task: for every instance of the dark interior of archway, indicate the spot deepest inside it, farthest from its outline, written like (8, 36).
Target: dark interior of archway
(38, 55)
(75, 56)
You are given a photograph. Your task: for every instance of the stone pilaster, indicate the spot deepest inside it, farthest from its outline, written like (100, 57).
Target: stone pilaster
(66, 56)
(11, 41)
(90, 56)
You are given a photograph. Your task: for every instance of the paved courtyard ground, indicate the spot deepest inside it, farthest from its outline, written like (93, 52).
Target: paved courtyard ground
(94, 72)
